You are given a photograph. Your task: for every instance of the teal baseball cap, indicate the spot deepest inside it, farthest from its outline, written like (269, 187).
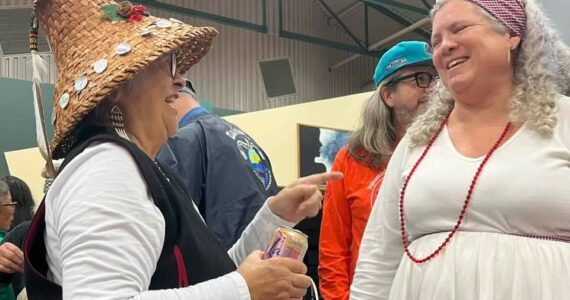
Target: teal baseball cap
(403, 54)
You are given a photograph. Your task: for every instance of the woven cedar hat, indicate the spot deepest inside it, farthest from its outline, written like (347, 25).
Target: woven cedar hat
(99, 44)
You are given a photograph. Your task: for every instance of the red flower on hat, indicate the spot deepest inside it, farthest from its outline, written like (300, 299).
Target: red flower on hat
(137, 13)
(124, 11)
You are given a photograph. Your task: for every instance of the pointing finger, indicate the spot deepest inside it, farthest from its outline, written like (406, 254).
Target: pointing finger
(320, 179)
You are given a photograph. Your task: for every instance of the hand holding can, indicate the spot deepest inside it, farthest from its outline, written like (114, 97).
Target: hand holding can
(275, 278)
(287, 242)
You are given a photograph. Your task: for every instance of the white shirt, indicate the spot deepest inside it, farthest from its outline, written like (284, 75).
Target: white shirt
(523, 189)
(104, 234)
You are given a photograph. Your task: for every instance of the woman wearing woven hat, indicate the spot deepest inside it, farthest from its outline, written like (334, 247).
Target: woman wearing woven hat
(475, 203)
(402, 76)
(114, 224)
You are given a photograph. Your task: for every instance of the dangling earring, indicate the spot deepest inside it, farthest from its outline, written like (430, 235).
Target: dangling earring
(509, 56)
(117, 121)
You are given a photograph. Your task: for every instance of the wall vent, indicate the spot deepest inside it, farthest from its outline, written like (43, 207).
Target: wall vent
(277, 77)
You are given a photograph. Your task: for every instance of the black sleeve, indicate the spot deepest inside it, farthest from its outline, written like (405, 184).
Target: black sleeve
(17, 235)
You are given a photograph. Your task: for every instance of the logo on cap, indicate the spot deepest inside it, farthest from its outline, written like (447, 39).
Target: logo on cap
(396, 63)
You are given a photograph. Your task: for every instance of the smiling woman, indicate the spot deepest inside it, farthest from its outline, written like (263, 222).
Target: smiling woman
(145, 99)
(474, 204)
(112, 212)
(540, 66)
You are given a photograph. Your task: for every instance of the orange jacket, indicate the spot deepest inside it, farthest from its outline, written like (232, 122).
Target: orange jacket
(346, 207)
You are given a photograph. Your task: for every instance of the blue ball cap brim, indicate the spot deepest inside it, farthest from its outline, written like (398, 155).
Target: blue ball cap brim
(403, 54)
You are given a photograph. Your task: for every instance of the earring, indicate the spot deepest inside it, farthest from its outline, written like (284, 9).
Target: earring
(509, 56)
(117, 121)
(47, 184)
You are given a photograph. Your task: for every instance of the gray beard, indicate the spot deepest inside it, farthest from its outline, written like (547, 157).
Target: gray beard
(403, 118)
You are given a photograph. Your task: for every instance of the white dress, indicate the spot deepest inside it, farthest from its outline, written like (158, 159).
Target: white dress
(523, 189)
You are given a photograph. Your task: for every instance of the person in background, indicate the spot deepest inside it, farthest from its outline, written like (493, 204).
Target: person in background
(475, 203)
(21, 195)
(7, 208)
(12, 258)
(6, 218)
(223, 169)
(402, 76)
(115, 223)
(11, 255)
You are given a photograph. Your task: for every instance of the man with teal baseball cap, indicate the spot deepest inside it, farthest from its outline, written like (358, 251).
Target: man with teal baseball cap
(404, 54)
(402, 77)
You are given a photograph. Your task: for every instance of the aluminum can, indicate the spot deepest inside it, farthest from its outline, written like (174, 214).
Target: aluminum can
(287, 242)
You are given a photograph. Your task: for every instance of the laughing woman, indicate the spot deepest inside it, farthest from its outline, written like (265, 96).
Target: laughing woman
(115, 224)
(476, 201)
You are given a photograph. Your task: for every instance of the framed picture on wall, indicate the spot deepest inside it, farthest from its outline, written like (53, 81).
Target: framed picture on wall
(318, 147)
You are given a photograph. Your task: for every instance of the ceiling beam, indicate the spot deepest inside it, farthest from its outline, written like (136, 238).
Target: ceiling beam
(317, 40)
(205, 15)
(341, 24)
(344, 11)
(426, 4)
(394, 16)
(383, 42)
(400, 5)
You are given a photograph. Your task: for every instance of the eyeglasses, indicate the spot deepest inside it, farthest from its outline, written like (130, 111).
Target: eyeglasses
(188, 88)
(423, 79)
(173, 64)
(9, 204)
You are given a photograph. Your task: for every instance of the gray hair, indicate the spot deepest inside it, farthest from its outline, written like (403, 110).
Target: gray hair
(4, 189)
(542, 72)
(372, 143)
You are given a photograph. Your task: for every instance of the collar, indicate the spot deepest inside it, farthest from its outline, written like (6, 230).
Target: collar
(191, 115)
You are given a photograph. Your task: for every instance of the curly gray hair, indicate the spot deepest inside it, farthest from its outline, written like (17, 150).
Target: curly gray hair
(542, 72)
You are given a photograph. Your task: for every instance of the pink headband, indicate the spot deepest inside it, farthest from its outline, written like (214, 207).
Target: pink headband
(509, 12)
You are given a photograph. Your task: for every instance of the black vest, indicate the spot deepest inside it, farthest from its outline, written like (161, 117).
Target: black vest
(190, 254)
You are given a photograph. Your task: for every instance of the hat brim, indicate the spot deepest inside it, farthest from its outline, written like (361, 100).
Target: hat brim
(419, 63)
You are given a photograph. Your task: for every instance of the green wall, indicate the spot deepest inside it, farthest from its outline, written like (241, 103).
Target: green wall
(17, 122)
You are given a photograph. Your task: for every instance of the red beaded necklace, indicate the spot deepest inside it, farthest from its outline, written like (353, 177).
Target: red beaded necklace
(405, 241)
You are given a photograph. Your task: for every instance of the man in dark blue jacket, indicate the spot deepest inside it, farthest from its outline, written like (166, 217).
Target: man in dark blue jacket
(224, 171)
